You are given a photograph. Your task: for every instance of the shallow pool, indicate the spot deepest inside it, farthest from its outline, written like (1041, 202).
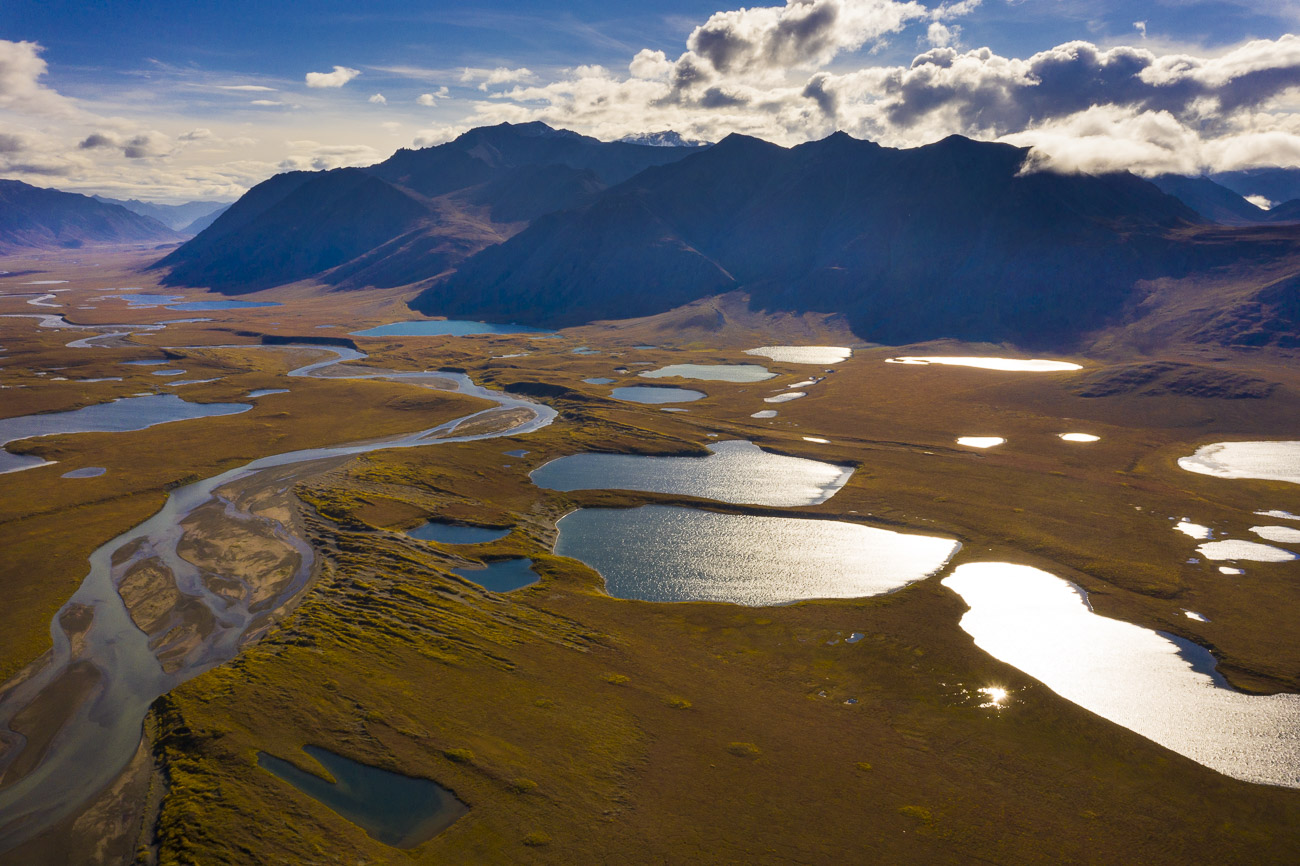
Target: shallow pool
(656, 394)
(445, 328)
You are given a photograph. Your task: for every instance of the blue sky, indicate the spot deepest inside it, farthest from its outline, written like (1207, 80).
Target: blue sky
(177, 100)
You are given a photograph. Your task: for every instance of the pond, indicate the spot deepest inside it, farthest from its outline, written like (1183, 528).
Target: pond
(1162, 687)
(712, 372)
(803, 354)
(598, 380)
(666, 554)
(735, 471)
(455, 533)
(504, 575)
(1267, 461)
(204, 306)
(398, 810)
(445, 328)
(119, 416)
(656, 394)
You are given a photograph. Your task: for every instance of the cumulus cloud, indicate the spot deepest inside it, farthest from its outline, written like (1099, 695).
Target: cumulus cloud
(21, 68)
(312, 155)
(377, 99)
(431, 99)
(501, 75)
(10, 143)
(339, 77)
(97, 140)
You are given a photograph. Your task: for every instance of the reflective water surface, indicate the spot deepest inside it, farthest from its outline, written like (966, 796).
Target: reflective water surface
(398, 810)
(1159, 686)
(455, 533)
(712, 372)
(503, 575)
(1251, 551)
(736, 471)
(655, 394)
(980, 441)
(1268, 461)
(803, 354)
(1017, 365)
(119, 416)
(665, 553)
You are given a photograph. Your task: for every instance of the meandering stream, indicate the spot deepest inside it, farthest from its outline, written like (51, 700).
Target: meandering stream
(110, 662)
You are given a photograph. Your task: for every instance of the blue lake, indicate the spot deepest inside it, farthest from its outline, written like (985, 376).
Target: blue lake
(453, 533)
(204, 306)
(501, 576)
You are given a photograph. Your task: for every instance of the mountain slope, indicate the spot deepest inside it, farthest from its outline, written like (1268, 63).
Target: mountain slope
(948, 239)
(451, 201)
(1213, 201)
(37, 218)
(175, 216)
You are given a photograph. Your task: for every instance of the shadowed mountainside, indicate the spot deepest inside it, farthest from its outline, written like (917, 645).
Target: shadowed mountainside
(413, 216)
(33, 217)
(950, 239)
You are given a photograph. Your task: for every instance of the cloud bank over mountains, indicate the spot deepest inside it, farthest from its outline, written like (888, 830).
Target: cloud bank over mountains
(788, 73)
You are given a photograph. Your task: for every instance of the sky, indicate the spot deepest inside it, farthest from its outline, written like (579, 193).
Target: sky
(167, 101)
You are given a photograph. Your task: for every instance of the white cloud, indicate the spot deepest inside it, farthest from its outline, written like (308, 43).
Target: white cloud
(500, 75)
(266, 102)
(339, 77)
(21, 68)
(431, 99)
(1260, 202)
(377, 99)
(250, 88)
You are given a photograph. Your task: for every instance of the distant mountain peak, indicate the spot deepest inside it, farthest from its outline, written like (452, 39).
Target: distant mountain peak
(663, 138)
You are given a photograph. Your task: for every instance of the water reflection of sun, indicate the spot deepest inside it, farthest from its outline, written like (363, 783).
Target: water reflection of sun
(997, 696)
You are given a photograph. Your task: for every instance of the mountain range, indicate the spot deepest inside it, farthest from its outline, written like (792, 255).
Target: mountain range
(189, 218)
(959, 238)
(33, 217)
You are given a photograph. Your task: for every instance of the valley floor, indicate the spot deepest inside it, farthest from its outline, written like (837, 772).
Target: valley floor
(582, 728)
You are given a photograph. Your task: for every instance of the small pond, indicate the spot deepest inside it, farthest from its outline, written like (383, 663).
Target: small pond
(1162, 687)
(665, 553)
(445, 328)
(712, 372)
(398, 810)
(455, 533)
(87, 472)
(656, 394)
(980, 441)
(598, 380)
(204, 306)
(504, 575)
(735, 471)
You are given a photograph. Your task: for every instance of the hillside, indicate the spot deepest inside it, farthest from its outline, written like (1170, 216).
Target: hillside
(33, 217)
(411, 217)
(949, 239)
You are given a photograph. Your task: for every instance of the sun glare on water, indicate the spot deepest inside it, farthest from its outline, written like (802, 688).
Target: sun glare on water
(996, 697)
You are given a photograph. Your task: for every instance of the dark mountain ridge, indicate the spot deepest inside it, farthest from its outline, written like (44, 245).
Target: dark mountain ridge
(33, 217)
(947, 239)
(447, 203)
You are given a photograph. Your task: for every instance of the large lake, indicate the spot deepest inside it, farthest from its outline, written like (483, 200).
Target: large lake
(1160, 686)
(666, 553)
(736, 471)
